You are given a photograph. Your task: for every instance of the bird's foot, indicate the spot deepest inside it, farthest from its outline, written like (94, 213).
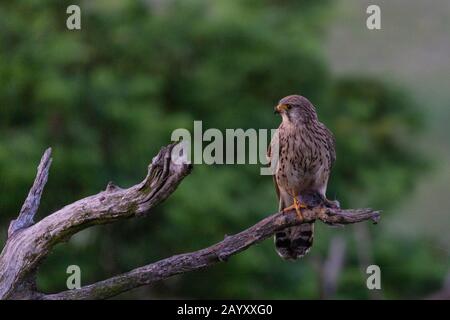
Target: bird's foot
(288, 209)
(297, 206)
(332, 204)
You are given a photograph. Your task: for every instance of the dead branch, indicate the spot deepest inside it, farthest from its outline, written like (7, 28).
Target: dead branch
(31, 204)
(28, 244)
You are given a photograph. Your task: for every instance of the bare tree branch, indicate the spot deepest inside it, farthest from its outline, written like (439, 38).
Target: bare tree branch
(219, 252)
(31, 204)
(28, 246)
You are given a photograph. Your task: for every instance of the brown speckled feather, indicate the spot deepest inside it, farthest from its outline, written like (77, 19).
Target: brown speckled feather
(306, 150)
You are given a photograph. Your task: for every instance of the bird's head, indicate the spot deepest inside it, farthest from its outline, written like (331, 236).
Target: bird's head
(296, 108)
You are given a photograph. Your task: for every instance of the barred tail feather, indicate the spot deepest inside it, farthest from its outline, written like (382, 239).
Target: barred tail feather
(295, 242)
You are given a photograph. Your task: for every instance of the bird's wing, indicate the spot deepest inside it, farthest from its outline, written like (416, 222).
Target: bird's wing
(269, 158)
(277, 190)
(331, 144)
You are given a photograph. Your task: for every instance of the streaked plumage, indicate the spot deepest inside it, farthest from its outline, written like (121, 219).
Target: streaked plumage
(306, 154)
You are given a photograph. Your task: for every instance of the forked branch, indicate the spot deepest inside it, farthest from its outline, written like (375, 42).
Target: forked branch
(29, 244)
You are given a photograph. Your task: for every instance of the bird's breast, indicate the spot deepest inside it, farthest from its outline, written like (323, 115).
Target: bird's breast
(302, 160)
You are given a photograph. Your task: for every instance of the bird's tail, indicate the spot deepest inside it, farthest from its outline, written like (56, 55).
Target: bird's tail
(295, 242)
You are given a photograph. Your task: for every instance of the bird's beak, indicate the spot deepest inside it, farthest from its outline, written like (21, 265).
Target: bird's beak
(280, 107)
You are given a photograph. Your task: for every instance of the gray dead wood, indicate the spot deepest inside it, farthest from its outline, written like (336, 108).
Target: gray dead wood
(30, 243)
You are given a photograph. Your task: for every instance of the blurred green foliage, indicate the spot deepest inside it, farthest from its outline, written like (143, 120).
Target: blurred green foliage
(106, 98)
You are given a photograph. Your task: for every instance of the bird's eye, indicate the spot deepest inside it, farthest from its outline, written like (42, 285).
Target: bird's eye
(289, 106)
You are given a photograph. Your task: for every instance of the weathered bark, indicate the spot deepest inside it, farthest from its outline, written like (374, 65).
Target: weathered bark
(219, 252)
(31, 204)
(26, 247)
(29, 244)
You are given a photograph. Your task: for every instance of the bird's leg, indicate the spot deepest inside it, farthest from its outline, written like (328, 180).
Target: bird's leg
(298, 206)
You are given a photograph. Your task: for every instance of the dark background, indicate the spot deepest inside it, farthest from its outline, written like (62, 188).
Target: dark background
(107, 97)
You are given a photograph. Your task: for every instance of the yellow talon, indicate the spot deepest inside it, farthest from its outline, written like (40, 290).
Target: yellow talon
(298, 206)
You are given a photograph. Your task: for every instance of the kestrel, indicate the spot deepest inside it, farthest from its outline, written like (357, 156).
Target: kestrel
(306, 154)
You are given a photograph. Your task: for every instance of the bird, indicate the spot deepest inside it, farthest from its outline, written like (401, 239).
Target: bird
(304, 151)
